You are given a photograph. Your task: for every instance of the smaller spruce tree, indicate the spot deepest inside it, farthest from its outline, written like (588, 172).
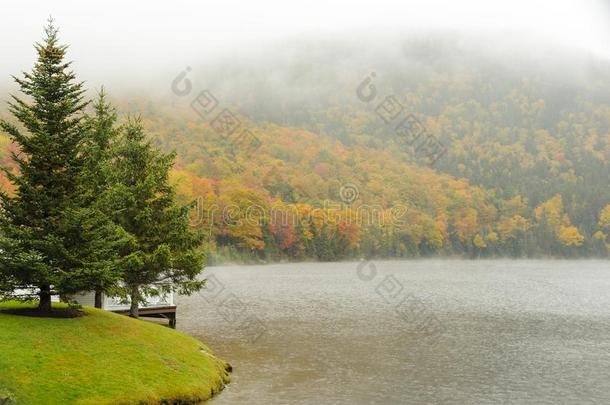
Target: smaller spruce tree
(164, 253)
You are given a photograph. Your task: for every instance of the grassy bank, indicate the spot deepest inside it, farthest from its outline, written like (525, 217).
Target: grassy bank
(102, 358)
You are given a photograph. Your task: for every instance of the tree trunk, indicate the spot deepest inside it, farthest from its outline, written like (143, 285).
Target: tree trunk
(98, 298)
(45, 298)
(134, 311)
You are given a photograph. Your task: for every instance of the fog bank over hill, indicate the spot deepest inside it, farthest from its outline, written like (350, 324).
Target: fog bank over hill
(311, 72)
(302, 72)
(140, 49)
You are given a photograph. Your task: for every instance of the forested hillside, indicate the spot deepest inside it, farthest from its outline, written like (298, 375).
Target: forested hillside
(525, 171)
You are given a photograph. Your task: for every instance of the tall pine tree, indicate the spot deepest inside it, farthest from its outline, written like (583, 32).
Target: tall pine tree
(36, 245)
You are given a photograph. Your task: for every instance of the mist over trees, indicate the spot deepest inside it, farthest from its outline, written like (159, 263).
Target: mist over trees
(525, 173)
(531, 131)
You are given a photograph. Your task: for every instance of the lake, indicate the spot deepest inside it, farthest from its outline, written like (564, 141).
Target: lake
(408, 332)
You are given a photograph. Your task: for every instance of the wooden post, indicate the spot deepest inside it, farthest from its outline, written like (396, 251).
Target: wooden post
(172, 320)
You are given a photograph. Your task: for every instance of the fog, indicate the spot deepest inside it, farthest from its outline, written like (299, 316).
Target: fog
(142, 46)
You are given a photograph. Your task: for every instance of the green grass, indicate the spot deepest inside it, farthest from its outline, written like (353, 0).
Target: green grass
(102, 358)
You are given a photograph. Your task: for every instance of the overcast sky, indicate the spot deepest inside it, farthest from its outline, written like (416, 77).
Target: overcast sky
(128, 38)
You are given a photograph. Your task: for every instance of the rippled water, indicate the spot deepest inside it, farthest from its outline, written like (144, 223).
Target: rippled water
(409, 332)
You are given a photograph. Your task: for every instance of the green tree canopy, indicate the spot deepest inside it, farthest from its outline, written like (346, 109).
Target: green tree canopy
(37, 244)
(163, 248)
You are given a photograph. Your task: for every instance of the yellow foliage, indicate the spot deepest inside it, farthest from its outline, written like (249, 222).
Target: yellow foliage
(511, 227)
(552, 210)
(479, 242)
(514, 206)
(570, 236)
(604, 217)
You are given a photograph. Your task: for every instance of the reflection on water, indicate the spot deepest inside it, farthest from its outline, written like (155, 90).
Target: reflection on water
(505, 332)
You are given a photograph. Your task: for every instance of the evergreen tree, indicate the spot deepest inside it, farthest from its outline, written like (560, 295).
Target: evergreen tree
(36, 246)
(98, 150)
(163, 249)
(98, 238)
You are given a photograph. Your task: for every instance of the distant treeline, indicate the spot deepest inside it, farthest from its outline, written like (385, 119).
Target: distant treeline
(525, 172)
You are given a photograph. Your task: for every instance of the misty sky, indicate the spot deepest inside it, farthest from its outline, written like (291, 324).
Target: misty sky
(136, 39)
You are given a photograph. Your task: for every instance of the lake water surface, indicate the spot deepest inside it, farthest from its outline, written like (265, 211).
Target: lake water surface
(408, 332)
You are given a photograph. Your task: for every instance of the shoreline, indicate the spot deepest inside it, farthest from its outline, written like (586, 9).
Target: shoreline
(409, 259)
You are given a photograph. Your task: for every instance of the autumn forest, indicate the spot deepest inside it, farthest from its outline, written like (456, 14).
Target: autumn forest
(319, 171)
